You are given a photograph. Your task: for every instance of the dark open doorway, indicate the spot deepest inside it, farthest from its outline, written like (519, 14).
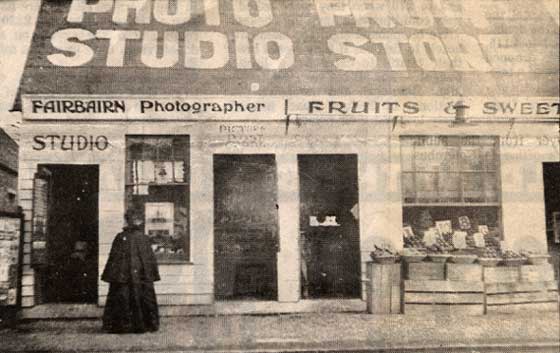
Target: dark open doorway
(551, 179)
(245, 227)
(330, 237)
(72, 235)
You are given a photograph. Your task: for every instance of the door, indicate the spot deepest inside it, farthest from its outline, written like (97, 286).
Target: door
(329, 239)
(245, 227)
(551, 179)
(70, 270)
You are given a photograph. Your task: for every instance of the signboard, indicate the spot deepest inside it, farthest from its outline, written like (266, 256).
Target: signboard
(295, 47)
(9, 259)
(220, 108)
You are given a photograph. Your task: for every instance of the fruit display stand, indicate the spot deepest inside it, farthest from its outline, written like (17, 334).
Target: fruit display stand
(463, 272)
(520, 288)
(473, 289)
(444, 297)
(443, 288)
(425, 271)
(467, 272)
(383, 288)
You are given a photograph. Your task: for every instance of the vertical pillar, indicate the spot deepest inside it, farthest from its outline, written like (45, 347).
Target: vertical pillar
(380, 200)
(202, 214)
(288, 260)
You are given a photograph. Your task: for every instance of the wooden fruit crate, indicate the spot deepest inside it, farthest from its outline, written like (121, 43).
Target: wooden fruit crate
(537, 273)
(384, 288)
(521, 296)
(501, 274)
(463, 272)
(444, 297)
(425, 271)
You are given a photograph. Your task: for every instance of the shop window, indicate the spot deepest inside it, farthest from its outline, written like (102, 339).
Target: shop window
(448, 178)
(157, 186)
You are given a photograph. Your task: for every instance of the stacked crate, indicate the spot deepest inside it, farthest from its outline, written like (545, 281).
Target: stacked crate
(439, 288)
(461, 289)
(519, 288)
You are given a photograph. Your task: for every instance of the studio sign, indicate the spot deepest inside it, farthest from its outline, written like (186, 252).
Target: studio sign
(70, 143)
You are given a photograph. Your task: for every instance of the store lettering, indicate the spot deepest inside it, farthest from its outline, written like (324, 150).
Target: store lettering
(120, 43)
(243, 135)
(521, 108)
(70, 143)
(250, 13)
(74, 106)
(388, 14)
(360, 107)
(200, 50)
(459, 52)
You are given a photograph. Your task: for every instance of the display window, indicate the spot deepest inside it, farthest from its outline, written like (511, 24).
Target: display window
(451, 192)
(157, 186)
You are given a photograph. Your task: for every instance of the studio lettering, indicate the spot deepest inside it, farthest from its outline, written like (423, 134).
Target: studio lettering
(355, 36)
(70, 143)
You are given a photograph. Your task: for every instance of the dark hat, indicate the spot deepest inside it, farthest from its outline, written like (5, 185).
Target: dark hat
(133, 215)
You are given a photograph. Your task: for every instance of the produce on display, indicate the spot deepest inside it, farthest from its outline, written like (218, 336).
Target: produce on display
(384, 254)
(513, 258)
(536, 258)
(413, 255)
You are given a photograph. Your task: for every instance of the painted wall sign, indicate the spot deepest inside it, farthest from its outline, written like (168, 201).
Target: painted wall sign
(70, 143)
(380, 47)
(274, 108)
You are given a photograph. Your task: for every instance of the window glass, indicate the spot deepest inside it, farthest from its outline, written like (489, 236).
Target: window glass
(449, 187)
(157, 186)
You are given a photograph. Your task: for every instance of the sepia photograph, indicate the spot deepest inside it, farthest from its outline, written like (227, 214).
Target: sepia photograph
(280, 176)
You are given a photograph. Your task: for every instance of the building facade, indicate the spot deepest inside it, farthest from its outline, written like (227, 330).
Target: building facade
(269, 163)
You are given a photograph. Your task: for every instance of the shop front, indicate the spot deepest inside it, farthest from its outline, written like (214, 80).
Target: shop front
(269, 163)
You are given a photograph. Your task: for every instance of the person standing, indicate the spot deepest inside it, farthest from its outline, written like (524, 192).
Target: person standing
(131, 271)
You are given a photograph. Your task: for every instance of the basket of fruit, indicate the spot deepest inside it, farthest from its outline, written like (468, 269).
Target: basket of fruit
(439, 252)
(463, 258)
(489, 257)
(439, 257)
(414, 242)
(489, 261)
(535, 258)
(411, 255)
(512, 258)
(384, 255)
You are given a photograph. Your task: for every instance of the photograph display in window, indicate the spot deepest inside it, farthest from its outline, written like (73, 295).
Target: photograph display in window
(157, 185)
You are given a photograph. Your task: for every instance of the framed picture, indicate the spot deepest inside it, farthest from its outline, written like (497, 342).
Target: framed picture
(483, 229)
(459, 239)
(479, 241)
(444, 227)
(431, 236)
(159, 218)
(407, 232)
(464, 223)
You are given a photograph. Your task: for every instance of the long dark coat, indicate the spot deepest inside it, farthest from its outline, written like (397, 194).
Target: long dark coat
(131, 270)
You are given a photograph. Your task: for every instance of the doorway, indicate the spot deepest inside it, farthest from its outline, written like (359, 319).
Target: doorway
(551, 179)
(71, 271)
(245, 227)
(330, 237)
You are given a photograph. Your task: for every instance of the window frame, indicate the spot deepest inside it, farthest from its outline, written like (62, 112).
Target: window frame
(460, 172)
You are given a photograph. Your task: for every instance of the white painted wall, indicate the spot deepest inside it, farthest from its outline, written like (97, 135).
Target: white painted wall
(380, 212)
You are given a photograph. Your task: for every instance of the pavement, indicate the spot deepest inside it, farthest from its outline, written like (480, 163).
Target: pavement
(295, 332)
